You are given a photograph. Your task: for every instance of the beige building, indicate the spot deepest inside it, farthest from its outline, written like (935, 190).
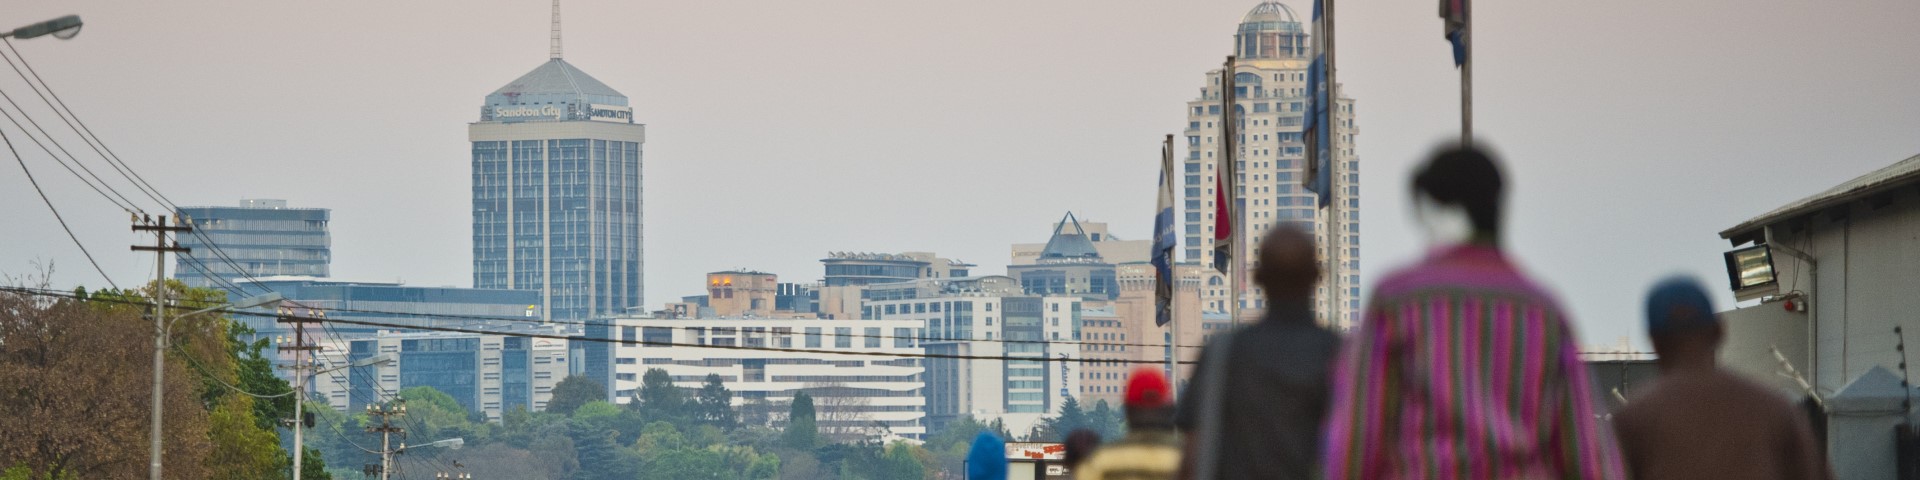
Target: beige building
(734, 294)
(1273, 53)
(1124, 329)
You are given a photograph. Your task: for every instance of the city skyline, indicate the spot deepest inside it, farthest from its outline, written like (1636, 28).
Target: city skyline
(1010, 100)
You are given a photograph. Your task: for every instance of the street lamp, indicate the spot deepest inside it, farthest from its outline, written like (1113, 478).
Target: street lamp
(164, 328)
(62, 28)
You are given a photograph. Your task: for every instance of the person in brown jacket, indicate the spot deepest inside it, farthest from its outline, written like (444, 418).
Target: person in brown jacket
(1700, 421)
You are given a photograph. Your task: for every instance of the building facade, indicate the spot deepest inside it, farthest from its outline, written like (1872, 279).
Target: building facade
(493, 374)
(396, 304)
(1068, 265)
(263, 237)
(1118, 336)
(841, 291)
(1110, 247)
(857, 396)
(989, 317)
(1270, 91)
(557, 193)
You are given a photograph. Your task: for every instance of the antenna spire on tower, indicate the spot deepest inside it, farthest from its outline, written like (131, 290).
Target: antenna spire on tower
(556, 30)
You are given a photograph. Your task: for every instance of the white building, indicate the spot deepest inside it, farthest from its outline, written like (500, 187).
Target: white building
(1270, 76)
(860, 391)
(488, 373)
(1835, 273)
(988, 317)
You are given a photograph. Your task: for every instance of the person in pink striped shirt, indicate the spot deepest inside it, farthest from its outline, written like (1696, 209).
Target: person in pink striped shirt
(1463, 368)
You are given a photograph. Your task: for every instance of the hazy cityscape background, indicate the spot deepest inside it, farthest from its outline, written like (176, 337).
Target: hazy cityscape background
(780, 131)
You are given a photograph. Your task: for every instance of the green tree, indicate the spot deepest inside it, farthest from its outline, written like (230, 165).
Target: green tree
(660, 400)
(1109, 423)
(1055, 429)
(596, 411)
(601, 458)
(714, 404)
(574, 391)
(802, 432)
(900, 463)
(687, 463)
(438, 416)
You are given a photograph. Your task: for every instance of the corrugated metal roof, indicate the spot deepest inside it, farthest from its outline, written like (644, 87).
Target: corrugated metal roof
(1900, 173)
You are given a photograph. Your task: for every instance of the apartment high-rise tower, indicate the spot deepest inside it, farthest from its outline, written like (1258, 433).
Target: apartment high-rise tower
(1270, 81)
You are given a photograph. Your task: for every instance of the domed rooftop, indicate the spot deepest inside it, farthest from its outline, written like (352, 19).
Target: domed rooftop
(1270, 32)
(1269, 12)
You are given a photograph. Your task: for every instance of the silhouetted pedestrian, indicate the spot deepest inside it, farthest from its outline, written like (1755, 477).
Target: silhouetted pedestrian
(1699, 421)
(1462, 366)
(1254, 406)
(1149, 451)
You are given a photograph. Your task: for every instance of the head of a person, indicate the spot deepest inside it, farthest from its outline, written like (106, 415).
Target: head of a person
(987, 458)
(1288, 268)
(1149, 402)
(1458, 195)
(1080, 446)
(1681, 323)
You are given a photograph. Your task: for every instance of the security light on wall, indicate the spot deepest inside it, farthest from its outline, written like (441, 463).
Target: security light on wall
(1750, 272)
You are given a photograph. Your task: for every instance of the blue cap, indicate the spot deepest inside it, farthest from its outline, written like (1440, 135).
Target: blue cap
(1679, 303)
(987, 460)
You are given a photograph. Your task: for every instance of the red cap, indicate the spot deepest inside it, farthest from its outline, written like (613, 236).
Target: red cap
(1147, 387)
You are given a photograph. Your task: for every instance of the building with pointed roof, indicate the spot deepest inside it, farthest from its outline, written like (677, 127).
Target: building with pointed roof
(1068, 265)
(557, 197)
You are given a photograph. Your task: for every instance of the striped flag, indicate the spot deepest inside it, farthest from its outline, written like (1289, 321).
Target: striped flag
(1225, 178)
(1454, 13)
(1163, 241)
(1317, 126)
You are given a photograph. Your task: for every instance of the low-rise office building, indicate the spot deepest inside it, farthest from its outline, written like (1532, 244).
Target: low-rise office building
(989, 318)
(492, 374)
(863, 374)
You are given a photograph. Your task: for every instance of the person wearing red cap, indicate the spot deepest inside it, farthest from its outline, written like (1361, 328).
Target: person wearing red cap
(1149, 451)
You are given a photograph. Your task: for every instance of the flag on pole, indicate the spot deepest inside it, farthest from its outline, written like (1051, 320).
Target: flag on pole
(1224, 179)
(1454, 12)
(1317, 126)
(1163, 241)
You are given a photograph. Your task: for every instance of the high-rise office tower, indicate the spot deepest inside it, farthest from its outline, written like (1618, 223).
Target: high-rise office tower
(556, 192)
(259, 238)
(1270, 80)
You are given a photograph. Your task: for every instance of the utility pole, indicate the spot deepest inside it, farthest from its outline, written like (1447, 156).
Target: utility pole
(159, 249)
(301, 362)
(386, 431)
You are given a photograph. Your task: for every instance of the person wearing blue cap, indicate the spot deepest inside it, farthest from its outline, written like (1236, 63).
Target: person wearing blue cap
(987, 459)
(1700, 421)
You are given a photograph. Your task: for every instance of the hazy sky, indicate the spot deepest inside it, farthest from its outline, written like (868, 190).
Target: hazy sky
(778, 131)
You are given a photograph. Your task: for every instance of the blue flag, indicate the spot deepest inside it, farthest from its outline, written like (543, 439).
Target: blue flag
(1454, 13)
(1163, 241)
(1317, 126)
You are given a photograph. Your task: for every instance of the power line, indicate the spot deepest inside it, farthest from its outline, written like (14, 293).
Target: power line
(112, 158)
(129, 205)
(41, 292)
(56, 211)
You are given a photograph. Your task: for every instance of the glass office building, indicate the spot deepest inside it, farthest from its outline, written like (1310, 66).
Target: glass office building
(492, 374)
(396, 304)
(259, 238)
(557, 200)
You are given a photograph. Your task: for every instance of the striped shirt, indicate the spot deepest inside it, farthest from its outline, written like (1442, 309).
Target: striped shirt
(1463, 369)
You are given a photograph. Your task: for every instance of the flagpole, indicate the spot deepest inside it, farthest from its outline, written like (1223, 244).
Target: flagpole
(1466, 73)
(1239, 233)
(1173, 312)
(1334, 166)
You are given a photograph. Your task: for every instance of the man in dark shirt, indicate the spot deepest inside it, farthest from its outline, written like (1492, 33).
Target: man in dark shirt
(1275, 380)
(1699, 421)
